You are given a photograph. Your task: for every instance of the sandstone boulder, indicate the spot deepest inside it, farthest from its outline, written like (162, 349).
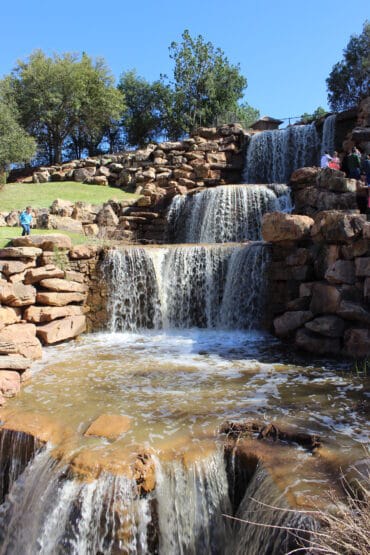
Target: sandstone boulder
(110, 426)
(82, 252)
(316, 344)
(107, 217)
(74, 276)
(278, 226)
(20, 339)
(353, 311)
(14, 362)
(10, 267)
(17, 294)
(337, 227)
(335, 180)
(325, 298)
(9, 315)
(97, 180)
(42, 314)
(290, 321)
(342, 271)
(330, 326)
(357, 342)
(91, 230)
(10, 383)
(64, 223)
(363, 266)
(12, 219)
(20, 252)
(44, 242)
(81, 174)
(61, 207)
(43, 272)
(85, 212)
(355, 249)
(61, 330)
(41, 177)
(63, 285)
(60, 299)
(304, 175)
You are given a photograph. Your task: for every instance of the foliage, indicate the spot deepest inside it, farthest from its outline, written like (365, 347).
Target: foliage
(318, 113)
(246, 114)
(205, 84)
(15, 144)
(349, 80)
(147, 105)
(15, 196)
(64, 96)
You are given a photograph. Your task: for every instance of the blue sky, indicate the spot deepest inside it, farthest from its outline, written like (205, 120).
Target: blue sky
(285, 48)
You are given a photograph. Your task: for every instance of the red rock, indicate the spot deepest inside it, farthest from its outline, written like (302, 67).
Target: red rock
(110, 426)
(10, 383)
(325, 298)
(10, 267)
(42, 314)
(59, 299)
(44, 242)
(278, 226)
(17, 294)
(9, 315)
(20, 339)
(48, 271)
(63, 285)
(60, 330)
(81, 252)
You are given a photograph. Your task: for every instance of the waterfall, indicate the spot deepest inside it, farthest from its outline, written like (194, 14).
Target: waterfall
(191, 501)
(272, 156)
(264, 504)
(49, 513)
(186, 286)
(224, 214)
(328, 135)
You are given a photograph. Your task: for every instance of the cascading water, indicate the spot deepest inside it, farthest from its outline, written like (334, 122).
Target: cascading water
(225, 213)
(181, 287)
(328, 135)
(272, 156)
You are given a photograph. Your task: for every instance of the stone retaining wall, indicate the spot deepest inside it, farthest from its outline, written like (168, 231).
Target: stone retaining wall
(45, 286)
(320, 281)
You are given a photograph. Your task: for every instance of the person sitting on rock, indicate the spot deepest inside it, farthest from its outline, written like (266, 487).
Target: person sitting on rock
(25, 220)
(325, 159)
(354, 164)
(334, 163)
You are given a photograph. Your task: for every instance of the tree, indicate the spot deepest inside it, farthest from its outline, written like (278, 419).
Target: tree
(318, 113)
(205, 83)
(246, 114)
(15, 144)
(349, 80)
(64, 98)
(147, 108)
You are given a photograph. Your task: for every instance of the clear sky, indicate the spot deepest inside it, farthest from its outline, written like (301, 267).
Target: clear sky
(286, 48)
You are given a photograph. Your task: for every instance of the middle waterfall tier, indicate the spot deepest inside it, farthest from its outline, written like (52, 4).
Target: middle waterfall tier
(211, 286)
(225, 213)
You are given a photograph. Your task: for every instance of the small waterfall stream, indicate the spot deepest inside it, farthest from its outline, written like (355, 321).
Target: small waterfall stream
(225, 213)
(272, 156)
(328, 135)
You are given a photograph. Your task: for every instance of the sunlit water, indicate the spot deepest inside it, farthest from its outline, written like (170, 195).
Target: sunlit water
(180, 386)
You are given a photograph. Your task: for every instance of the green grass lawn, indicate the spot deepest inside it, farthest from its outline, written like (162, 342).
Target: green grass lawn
(15, 196)
(7, 233)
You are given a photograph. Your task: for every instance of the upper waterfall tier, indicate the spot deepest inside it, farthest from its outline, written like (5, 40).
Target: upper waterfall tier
(186, 286)
(272, 156)
(228, 213)
(328, 135)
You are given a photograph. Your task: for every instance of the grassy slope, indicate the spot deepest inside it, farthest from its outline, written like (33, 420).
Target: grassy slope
(7, 233)
(15, 196)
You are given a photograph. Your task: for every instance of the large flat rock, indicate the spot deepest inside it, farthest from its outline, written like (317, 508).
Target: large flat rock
(37, 274)
(14, 362)
(10, 267)
(17, 294)
(63, 285)
(44, 242)
(20, 252)
(43, 314)
(9, 315)
(59, 299)
(110, 426)
(61, 330)
(278, 226)
(20, 339)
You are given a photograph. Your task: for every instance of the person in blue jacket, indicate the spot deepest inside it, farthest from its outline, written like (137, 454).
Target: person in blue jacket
(25, 220)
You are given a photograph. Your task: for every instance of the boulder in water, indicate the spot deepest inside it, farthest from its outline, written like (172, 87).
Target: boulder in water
(110, 426)
(60, 330)
(290, 321)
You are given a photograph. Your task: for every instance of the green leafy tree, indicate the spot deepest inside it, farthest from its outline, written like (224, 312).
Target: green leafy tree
(147, 108)
(349, 80)
(64, 98)
(100, 106)
(205, 83)
(246, 114)
(15, 144)
(318, 113)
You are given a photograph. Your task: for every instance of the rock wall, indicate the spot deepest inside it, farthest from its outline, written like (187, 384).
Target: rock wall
(45, 286)
(320, 281)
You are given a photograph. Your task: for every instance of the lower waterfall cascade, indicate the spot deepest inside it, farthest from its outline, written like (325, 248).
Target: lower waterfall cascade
(225, 213)
(272, 156)
(207, 286)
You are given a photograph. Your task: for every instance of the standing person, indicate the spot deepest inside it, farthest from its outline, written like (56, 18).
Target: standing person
(25, 220)
(334, 164)
(325, 159)
(354, 164)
